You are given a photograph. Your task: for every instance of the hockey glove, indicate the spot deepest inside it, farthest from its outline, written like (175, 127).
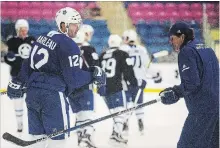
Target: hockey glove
(98, 75)
(157, 78)
(170, 95)
(15, 89)
(101, 90)
(11, 56)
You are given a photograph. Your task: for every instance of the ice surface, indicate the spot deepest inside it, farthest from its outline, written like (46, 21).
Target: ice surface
(163, 124)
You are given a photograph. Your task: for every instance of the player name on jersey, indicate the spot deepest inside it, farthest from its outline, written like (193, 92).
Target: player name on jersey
(46, 42)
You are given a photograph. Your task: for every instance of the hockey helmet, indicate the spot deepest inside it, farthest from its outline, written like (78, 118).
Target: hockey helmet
(67, 15)
(114, 40)
(21, 23)
(87, 29)
(129, 35)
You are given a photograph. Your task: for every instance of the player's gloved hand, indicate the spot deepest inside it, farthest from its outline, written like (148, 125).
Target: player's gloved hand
(98, 75)
(15, 89)
(157, 78)
(101, 90)
(11, 56)
(170, 95)
(143, 84)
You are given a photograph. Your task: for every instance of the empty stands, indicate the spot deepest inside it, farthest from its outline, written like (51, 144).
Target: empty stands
(40, 16)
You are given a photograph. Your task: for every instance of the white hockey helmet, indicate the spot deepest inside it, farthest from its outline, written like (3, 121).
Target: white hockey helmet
(80, 37)
(67, 15)
(21, 23)
(114, 40)
(129, 35)
(89, 30)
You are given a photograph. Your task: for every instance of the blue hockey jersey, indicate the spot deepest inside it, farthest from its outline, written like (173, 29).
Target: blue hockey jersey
(199, 72)
(54, 64)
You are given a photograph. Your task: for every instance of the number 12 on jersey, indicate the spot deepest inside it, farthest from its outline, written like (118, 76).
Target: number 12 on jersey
(74, 60)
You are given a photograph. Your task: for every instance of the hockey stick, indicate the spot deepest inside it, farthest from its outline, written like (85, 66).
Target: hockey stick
(23, 143)
(153, 56)
(135, 103)
(157, 55)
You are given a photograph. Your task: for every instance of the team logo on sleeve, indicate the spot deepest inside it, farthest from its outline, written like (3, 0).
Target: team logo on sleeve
(185, 67)
(24, 50)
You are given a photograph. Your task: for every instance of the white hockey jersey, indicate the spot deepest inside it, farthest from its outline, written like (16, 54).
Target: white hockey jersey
(139, 58)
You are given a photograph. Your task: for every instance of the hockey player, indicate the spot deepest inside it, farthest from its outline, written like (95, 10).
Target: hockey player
(199, 73)
(19, 48)
(83, 104)
(140, 59)
(51, 72)
(116, 65)
(89, 31)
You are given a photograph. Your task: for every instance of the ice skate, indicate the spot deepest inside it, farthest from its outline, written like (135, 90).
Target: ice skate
(117, 140)
(20, 127)
(141, 126)
(85, 141)
(79, 135)
(125, 129)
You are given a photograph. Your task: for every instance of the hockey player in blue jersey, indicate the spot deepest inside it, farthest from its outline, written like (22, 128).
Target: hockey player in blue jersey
(199, 72)
(51, 72)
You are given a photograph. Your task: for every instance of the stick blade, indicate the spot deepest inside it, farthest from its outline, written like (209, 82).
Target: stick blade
(17, 141)
(161, 53)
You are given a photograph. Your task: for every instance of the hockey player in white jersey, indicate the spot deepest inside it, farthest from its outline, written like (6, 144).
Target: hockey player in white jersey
(139, 59)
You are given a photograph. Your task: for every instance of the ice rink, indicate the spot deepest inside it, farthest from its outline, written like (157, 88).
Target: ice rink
(163, 124)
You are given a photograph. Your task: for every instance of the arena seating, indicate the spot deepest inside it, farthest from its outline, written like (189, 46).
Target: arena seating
(153, 20)
(40, 16)
(149, 11)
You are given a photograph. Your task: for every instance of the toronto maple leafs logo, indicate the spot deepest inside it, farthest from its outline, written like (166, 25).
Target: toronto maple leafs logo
(24, 50)
(64, 12)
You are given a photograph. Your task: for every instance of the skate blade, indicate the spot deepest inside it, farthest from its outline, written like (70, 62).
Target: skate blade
(85, 146)
(117, 144)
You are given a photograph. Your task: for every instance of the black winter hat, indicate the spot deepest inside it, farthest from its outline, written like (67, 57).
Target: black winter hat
(179, 28)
